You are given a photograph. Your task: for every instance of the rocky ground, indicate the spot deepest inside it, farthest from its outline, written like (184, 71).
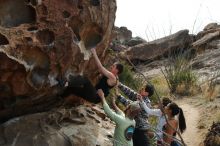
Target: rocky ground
(85, 125)
(212, 137)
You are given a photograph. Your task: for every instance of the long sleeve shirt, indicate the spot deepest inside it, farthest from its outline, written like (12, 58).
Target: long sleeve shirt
(122, 125)
(161, 118)
(141, 119)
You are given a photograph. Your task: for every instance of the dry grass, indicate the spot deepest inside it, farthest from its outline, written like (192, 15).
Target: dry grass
(163, 89)
(161, 86)
(209, 113)
(184, 90)
(210, 92)
(210, 88)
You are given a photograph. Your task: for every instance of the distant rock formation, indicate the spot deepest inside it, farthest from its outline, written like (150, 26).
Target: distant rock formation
(209, 38)
(156, 48)
(135, 41)
(138, 49)
(121, 35)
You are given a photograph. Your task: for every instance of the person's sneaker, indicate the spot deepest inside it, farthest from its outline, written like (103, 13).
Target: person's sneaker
(61, 81)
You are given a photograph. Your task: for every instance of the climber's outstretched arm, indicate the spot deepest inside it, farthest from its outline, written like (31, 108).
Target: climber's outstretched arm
(101, 68)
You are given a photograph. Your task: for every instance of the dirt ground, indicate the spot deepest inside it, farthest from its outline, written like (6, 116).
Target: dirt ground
(199, 114)
(192, 135)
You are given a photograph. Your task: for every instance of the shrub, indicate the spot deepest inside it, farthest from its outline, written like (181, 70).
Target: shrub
(211, 88)
(161, 88)
(130, 79)
(179, 74)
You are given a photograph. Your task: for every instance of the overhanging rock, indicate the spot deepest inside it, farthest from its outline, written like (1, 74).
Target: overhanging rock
(42, 40)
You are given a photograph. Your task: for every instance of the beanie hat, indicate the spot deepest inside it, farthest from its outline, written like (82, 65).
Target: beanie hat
(134, 106)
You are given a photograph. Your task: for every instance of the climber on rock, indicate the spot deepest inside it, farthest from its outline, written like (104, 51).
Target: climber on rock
(82, 87)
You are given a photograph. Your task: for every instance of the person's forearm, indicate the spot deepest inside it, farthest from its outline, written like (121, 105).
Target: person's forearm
(102, 69)
(155, 112)
(98, 63)
(109, 112)
(128, 92)
(103, 101)
(123, 100)
(115, 106)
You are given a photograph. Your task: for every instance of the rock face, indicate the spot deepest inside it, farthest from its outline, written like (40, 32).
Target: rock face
(42, 40)
(135, 41)
(153, 49)
(121, 35)
(81, 126)
(122, 39)
(213, 137)
(207, 63)
(207, 44)
(208, 38)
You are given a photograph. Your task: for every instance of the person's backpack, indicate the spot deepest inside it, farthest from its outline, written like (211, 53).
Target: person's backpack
(129, 133)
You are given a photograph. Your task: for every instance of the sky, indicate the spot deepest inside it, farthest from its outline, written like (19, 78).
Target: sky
(152, 19)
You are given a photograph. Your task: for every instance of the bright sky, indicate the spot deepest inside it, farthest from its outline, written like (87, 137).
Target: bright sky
(151, 19)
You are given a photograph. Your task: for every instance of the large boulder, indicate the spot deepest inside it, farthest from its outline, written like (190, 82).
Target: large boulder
(121, 35)
(208, 38)
(81, 126)
(207, 66)
(135, 41)
(43, 40)
(211, 26)
(156, 48)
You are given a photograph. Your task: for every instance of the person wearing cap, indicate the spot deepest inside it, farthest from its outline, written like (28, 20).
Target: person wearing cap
(141, 132)
(124, 121)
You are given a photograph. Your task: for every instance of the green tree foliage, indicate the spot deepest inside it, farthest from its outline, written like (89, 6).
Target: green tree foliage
(130, 79)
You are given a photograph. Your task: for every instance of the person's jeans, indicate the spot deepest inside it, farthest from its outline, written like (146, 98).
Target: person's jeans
(140, 138)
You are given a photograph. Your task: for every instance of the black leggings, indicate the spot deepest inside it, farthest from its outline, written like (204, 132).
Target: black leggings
(83, 88)
(140, 138)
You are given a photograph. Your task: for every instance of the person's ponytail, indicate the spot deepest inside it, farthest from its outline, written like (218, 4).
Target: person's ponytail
(182, 122)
